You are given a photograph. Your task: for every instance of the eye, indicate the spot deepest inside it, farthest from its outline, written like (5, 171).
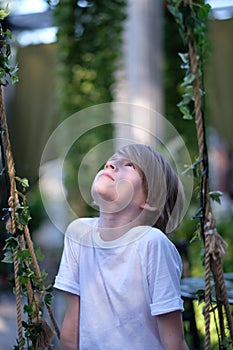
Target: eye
(130, 164)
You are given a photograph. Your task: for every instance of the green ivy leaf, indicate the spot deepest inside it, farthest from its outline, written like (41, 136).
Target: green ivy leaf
(186, 112)
(14, 79)
(203, 12)
(4, 13)
(8, 34)
(8, 257)
(24, 254)
(216, 196)
(28, 309)
(184, 57)
(11, 243)
(24, 216)
(23, 280)
(24, 181)
(28, 272)
(188, 79)
(176, 13)
(48, 299)
(187, 98)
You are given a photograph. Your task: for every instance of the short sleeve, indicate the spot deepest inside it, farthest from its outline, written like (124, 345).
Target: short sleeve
(164, 273)
(67, 278)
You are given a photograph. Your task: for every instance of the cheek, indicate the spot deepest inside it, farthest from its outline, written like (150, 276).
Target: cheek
(125, 188)
(129, 189)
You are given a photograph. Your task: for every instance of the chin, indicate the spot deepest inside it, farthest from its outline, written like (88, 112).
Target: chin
(102, 198)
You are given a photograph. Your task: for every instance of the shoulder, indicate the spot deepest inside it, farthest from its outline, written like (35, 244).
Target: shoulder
(155, 242)
(80, 228)
(154, 236)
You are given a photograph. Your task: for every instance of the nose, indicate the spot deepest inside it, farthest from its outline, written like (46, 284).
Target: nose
(110, 165)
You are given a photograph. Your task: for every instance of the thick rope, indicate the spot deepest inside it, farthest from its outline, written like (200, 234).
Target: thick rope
(215, 247)
(207, 294)
(11, 226)
(38, 274)
(43, 340)
(204, 198)
(218, 267)
(18, 301)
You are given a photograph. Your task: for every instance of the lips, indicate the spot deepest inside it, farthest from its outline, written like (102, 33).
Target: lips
(108, 175)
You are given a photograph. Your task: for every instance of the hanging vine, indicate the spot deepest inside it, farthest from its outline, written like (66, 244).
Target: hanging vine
(29, 282)
(191, 18)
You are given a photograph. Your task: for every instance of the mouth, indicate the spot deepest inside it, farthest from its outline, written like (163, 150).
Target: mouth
(108, 175)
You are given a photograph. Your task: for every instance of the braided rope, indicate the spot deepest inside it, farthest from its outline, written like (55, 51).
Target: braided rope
(32, 252)
(204, 197)
(224, 296)
(197, 100)
(215, 247)
(207, 294)
(38, 274)
(18, 301)
(50, 312)
(11, 227)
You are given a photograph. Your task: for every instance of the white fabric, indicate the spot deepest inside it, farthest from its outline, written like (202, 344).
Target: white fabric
(122, 285)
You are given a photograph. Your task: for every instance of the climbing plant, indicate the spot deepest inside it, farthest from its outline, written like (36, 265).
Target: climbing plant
(6, 67)
(191, 18)
(29, 282)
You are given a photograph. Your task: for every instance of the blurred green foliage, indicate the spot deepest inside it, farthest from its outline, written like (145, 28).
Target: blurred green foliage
(88, 54)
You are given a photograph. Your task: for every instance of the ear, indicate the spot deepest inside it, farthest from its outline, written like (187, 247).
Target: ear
(147, 206)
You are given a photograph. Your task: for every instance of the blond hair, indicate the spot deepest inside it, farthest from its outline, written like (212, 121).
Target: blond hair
(162, 185)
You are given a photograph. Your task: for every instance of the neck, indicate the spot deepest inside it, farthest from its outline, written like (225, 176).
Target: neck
(114, 225)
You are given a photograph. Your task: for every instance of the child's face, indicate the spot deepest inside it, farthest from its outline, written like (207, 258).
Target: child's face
(120, 184)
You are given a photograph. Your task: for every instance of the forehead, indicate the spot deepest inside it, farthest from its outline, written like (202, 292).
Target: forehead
(121, 158)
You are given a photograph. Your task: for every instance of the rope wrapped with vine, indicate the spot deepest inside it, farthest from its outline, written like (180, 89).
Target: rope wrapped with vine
(192, 21)
(19, 249)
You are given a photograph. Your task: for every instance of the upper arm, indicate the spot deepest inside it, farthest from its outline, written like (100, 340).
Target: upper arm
(164, 268)
(70, 325)
(171, 332)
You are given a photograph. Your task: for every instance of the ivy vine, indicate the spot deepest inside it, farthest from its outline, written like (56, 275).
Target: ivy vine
(18, 247)
(192, 24)
(36, 296)
(7, 69)
(191, 19)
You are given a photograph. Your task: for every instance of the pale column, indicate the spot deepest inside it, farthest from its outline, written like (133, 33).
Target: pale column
(140, 80)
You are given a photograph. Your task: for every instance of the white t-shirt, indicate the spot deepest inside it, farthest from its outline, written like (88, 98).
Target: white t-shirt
(123, 284)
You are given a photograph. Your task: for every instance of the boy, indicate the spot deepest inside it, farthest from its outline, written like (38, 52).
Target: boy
(120, 271)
